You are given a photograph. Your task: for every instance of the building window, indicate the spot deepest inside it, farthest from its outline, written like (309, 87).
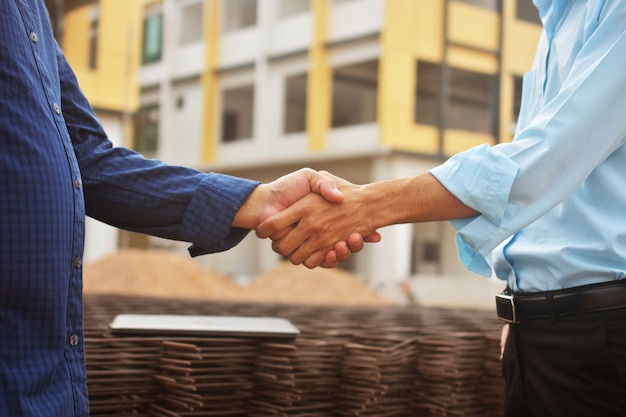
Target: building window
(152, 38)
(295, 103)
(525, 10)
(426, 248)
(471, 102)
(428, 93)
(239, 14)
(355, 89)
(191, 23)
(147, 129)
(288, 8)
(93, 36)
(237, 113)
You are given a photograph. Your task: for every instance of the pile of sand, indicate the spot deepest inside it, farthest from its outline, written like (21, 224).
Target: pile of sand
(295, 283)
(155, 273)
(159, 273)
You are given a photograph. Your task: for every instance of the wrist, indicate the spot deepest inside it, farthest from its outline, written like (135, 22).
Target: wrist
(247, 217)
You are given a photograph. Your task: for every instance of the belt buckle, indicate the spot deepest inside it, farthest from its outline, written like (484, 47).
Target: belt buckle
(505, 306)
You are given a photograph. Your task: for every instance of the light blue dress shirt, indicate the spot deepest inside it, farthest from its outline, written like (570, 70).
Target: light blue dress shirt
(553, 201)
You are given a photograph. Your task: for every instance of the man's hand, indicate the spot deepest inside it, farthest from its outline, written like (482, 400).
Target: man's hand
(271, 199)
(312, 229)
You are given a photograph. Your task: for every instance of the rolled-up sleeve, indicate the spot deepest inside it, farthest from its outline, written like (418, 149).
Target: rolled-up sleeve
(482, 179)
(567, 131)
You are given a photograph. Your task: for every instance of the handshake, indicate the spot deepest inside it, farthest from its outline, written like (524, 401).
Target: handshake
(312, 218)
(318, 219)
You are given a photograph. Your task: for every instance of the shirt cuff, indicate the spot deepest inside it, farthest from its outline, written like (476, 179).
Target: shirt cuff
(481, 178)
(210, 213)
(468, 255)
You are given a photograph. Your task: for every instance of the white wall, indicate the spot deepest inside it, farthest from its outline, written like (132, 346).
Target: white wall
(180, 142)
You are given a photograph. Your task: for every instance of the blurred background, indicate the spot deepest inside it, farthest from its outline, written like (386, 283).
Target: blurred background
(367, 89)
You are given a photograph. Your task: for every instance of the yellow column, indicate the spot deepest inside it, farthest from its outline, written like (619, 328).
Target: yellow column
(319, 85)
(408, 32)
(396, 70)
(209, 79)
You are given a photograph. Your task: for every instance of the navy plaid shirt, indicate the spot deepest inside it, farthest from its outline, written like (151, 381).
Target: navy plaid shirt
(56, 164)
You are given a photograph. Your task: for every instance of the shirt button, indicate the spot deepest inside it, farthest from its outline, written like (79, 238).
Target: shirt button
(78, 183)
(33, 37)
(73, 340)
(56, 108)
(78, 262)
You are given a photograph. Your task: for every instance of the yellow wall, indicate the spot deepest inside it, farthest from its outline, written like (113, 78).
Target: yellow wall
(473, 26)
(113, 84)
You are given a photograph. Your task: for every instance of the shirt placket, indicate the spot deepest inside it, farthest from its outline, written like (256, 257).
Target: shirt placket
(74, 351)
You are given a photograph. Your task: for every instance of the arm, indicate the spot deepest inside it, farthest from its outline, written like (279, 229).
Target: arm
(565, 136)
(124, 189)
(212, 211)
(319, 225)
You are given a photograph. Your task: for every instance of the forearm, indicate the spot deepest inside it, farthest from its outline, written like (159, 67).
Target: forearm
(311, 227)
(420, 198)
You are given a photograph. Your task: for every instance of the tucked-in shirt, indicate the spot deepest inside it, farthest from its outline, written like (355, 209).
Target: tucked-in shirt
(552, 202)
(56, 164)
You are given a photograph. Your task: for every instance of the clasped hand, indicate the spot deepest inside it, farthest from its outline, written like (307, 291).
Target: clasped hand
(317, 219)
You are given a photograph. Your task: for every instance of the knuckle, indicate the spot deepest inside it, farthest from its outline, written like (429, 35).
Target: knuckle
(279, 247)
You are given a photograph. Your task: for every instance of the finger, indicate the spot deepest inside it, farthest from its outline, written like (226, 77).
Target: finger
(343, 251)
(289, 244)
(279, 235)
(275, 225)
(331, 260)
(330, 192)
(373, 237)
(324, 184)
(314, 260)
(307, 247)
(355, 243)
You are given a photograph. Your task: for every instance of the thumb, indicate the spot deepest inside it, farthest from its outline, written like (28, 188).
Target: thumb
(326, 187)
(330, 192)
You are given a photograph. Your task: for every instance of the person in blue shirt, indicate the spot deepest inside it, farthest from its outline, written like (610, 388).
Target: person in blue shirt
(56, 166)
(546, 213)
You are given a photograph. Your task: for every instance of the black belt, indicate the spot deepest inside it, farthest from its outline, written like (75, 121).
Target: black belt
(514, 308)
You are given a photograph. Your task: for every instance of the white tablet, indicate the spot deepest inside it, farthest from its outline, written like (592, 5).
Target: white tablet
(189, 325)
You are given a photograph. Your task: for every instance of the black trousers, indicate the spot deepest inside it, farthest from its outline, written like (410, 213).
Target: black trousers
(568, 367)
